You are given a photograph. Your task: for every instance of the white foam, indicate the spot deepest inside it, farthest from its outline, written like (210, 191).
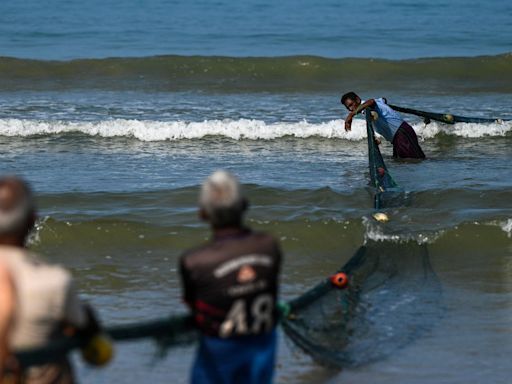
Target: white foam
(507, 227)
(380, 232)
(148, 130)
(469, 130)
(34, 237)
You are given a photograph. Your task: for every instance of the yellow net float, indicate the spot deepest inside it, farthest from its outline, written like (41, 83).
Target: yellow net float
(381, 217)
(448, 118)
(98, 351)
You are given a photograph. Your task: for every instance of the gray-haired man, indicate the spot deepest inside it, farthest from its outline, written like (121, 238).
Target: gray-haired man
(45, 302)
(231, 286)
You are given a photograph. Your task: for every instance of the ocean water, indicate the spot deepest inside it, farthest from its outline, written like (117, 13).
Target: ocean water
(115, 113)
(58, 29)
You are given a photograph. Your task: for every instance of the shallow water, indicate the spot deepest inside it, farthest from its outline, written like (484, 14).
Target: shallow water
(122, 233)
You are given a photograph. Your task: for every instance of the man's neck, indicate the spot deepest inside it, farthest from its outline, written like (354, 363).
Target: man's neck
(228, 231)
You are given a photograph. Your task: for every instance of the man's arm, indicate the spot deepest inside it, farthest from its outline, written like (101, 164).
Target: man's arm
(350, 116)
(75, 312)
(78, 316)
(6, 313)
(186, 284)
(80, 319)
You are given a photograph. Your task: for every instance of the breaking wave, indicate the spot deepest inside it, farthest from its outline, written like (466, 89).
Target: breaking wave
(242, 129)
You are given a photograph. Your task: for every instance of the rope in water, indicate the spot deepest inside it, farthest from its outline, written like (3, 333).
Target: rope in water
(446, 118)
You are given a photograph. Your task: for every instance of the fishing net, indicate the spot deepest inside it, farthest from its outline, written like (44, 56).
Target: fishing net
(392, 297)
(166, 332)
(386, 192)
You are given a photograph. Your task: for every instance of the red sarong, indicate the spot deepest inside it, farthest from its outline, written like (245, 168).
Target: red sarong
(405, 143)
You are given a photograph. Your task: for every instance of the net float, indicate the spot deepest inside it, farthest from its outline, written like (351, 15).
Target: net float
(381, 217)
(340, 280)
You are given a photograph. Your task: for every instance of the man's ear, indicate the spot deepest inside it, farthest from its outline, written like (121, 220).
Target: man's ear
(203, 215)
(245, 204)
(32, 220)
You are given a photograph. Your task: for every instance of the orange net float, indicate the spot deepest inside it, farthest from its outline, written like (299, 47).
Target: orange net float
(381, 171)
(339, 280)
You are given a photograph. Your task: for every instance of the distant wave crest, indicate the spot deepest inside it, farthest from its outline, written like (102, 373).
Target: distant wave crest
(293, 73)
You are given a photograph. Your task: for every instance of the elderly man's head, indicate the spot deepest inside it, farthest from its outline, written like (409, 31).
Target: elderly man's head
(17, 211)
(221, 200)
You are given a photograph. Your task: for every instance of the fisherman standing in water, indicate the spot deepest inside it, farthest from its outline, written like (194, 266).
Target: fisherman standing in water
(231, 286)
(45, 305)
(389, 124)
(7, 296)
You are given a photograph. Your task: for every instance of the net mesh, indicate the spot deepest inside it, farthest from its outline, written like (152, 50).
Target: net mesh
(393, 295)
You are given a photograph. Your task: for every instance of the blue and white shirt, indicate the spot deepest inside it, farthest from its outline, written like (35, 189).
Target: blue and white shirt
(388, 121)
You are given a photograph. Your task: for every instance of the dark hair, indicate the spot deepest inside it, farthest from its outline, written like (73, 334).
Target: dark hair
(349, 95)
(226, 217)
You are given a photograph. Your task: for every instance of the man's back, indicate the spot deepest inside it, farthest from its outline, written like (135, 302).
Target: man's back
(45, 303)
(231, 284)
(388, 120)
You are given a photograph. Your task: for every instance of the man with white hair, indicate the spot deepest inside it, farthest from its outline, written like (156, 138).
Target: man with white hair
(45, 304)
(231, 286)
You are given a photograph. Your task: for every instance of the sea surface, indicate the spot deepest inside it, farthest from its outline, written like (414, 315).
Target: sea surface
(115, 112)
